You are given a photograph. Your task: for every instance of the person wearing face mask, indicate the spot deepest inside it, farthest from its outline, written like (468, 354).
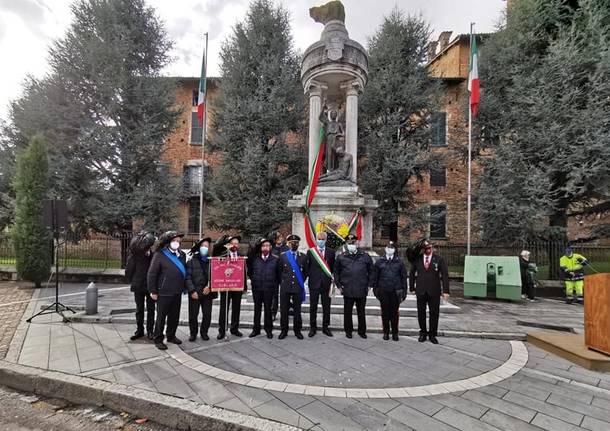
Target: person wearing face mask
(200, 295)
(390, 286)
(233, 298)
(353, 275)
(294, 266)
(319, 286)
(428, 278)
(278, 248)
(138, 262)
(265, 274)
(166, 277)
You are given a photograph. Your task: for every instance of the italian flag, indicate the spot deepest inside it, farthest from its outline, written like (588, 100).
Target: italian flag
(201, 97)
(356, 222)
(473, 76)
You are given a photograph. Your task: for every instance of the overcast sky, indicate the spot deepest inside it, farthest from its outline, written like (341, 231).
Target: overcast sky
(28, 26)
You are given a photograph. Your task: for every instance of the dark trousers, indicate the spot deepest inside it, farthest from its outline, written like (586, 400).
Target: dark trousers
(234, 299)
(434, 304)
(143, 299)
(314, 297)
(168, 307)
(275, 301)
(263, 298)
(389, 311)
(348, 307)
(288, 300)
(204, 302)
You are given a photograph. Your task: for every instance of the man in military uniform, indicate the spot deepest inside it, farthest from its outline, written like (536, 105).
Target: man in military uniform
(292, 287)
(319, 286)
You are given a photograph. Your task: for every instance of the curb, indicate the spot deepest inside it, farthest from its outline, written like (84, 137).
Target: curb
(177, 413)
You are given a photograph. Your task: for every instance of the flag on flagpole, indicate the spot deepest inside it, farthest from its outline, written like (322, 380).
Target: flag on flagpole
(473, 75)
(201, 96)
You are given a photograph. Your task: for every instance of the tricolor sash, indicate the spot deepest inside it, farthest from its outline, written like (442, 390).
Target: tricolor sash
(297, 272)
(172, 257)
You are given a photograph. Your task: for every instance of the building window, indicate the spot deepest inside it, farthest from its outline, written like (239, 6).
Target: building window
(438, 221)
(438, 177)
(193, 216)
(389, 231)
(196, 129)
(192, 180)
(438, 123)
(195, 100)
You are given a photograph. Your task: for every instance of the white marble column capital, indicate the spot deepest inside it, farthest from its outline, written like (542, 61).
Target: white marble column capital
(315, 88)
(352, 88)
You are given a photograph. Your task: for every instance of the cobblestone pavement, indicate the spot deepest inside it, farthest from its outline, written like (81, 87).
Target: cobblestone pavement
(13, 302)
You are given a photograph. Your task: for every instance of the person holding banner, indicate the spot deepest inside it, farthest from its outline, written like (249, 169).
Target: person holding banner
(166, 277)
(294, 266)
(265, 274)
(233, 298)
(353, 276)
(319, 272)
(200, 295)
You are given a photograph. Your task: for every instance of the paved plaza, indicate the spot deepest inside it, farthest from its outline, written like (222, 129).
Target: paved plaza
(467, 382)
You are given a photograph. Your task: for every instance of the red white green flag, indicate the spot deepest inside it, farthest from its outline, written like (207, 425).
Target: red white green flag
(473, 76)
(202, 90)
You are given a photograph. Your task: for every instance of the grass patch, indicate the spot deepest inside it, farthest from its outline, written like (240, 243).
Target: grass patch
(75, 263)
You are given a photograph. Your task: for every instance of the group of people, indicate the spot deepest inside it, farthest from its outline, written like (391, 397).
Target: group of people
(278, 272)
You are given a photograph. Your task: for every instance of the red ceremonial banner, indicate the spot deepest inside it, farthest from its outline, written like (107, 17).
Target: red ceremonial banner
(227, 274)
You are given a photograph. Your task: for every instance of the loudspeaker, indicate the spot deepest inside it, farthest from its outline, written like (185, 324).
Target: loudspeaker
(55, 214)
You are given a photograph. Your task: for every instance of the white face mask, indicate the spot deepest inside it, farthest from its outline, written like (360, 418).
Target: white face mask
(389, 252)
(174, 245)
(352, 248)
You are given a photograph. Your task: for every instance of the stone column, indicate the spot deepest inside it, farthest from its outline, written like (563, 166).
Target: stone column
(352, 90)
(315, 108)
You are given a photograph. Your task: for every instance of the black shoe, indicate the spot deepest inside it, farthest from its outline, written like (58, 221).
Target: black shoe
(282, 335)
(298, 335)
(270, 335)
(192, 338)
(174, 340)
(362, 335)
(422, 338)
(254, 334)
(161, 346)
(386, 337)
(220, 336)
(136, 336)
(569, 300)
(236, 333)
(312, 332)
(327, 332)
(150, 336)
(348, 334)
(433, 340)
(395, 337)
(205, 337)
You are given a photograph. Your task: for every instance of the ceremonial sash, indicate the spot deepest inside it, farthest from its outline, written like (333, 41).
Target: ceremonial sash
(297, 272)
(172, 257)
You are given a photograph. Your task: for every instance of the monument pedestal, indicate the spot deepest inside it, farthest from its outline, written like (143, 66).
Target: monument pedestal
(342, 201)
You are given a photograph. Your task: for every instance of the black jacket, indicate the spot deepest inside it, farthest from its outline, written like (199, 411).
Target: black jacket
(390, 274)
(277, 250)
(164, 278)
(354, 273)
(289, 282)
(136, 271)
(264, 274)
(318, 280)
(198, 276)
(429, 280)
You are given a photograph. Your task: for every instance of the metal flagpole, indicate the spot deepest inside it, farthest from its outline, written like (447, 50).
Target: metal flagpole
(205, 120)
(469, 211)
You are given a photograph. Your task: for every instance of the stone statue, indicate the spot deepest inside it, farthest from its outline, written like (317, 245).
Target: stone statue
(330, 11)
(342, 175)
(334, 130)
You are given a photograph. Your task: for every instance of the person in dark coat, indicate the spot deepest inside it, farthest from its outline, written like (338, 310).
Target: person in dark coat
(166, 277)
(428, 278)
(528, 280)
(136, 270)
(390, 287)
(292, 287)
(353, 276)
(265, 274)
(278, 248)
(200, 295)
(320, 286)
(233, 298)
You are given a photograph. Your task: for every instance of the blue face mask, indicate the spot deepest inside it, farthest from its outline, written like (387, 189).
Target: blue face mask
(321, 243)
(203, 251)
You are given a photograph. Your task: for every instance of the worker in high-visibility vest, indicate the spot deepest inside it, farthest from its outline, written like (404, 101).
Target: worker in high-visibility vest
(572, 264)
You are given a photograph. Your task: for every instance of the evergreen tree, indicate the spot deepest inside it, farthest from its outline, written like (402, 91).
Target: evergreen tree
(395, 111)
(258, 124)
(30, 238)
(106, 113)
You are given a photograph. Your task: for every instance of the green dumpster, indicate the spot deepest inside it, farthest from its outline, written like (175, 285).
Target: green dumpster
(492, 277)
